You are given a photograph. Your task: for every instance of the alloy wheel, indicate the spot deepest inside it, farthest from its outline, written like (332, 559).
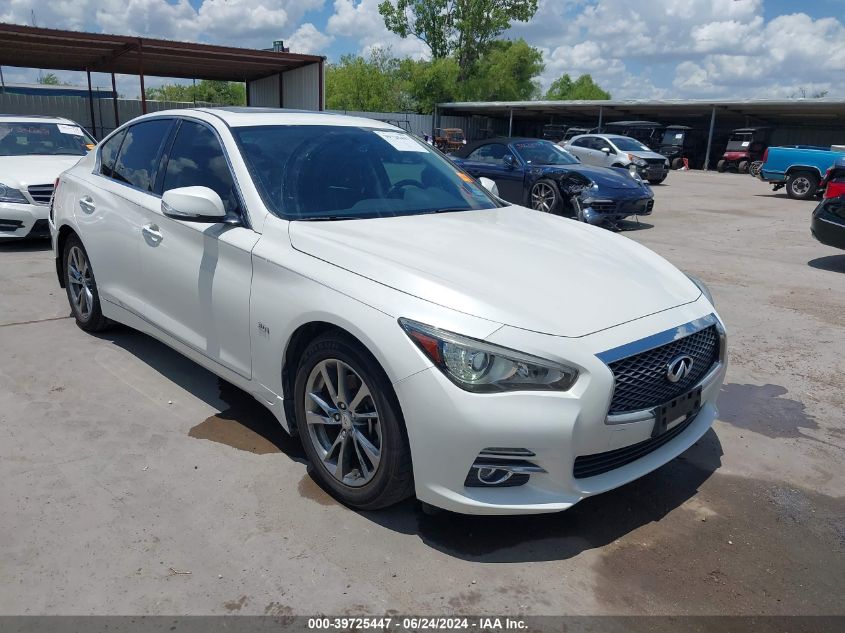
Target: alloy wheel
(81, 283)
(542, 197)
(343, 423)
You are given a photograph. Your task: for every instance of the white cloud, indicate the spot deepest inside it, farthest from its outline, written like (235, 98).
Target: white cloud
(308, 39)
(361, 22)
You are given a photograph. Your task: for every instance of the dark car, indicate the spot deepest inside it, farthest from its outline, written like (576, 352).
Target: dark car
(541, 175)
(828, 223)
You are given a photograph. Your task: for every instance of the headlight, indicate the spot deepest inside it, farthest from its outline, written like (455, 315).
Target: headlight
(7, 194)
(703, 287)
(637, 160)
(480, 367)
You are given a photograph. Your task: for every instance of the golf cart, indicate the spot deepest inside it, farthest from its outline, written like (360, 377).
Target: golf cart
(646, 132)
(449, 139)
(746, 145)
(574, 131)
(554, 132)
(680, 142)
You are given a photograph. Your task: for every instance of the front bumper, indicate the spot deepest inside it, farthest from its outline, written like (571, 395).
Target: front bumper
(598, 210)
(449, 428)
(23, 220)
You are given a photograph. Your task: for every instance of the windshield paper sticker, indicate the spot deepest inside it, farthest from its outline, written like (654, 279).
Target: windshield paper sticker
(746, 143)
(401, 141)
(69, 129)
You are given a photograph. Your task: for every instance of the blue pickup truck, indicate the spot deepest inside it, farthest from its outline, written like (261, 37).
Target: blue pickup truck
(799, 168)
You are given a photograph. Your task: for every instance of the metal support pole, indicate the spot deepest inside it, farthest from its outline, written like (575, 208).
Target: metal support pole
(510, 124)
(114, 101)
(141, 74)
(91, 105)
(601, 115)
(710, 139)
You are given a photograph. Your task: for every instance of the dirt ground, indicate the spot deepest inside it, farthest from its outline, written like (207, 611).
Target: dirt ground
(133, 482)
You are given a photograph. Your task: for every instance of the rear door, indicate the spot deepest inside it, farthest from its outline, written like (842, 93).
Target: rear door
(581, 148)
(110, 209)
(197, 275)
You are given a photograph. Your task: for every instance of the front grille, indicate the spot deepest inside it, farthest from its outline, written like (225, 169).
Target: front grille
(635, 206)
(641, 381)
(655, 162)
(41, 194)
(598, 463)
(603, 206)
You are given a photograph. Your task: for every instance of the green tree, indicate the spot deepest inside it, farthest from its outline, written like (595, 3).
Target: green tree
(220, 92)
(583, 88)
(49, 79)
(465, 28)
(505, 72)
(371, 84)
(427, 83)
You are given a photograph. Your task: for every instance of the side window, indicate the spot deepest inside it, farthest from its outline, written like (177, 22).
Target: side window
(492, 154)
(197, 160)
(108, 154)
(138, 159)
(480, 154)
(581, 142)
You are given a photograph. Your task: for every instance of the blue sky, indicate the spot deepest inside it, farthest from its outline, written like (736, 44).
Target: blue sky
(636, 49)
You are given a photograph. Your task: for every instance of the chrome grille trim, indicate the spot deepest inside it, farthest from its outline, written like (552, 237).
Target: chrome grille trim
(40, 194)
(638, 384)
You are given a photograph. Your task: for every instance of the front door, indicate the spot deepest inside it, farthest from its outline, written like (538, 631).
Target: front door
(197, 275)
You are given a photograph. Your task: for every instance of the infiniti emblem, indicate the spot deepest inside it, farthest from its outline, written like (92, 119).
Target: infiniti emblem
(678, 368)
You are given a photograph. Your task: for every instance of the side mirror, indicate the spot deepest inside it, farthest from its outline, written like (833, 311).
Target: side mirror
(507, 159)
(197, 204)
(606, 150)
(489, 185)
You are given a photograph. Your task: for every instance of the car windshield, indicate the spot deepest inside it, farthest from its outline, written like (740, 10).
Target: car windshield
(313, 172)
(543, 153)
(626, 144)
(29, 139)
(673, 137)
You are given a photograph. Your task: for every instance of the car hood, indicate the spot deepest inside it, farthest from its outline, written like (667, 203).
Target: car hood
(22, 171)
(649, 154)
(509, 265)
(609, 177)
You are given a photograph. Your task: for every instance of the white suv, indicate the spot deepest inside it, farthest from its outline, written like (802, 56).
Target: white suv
(390, 311)
(34, 150)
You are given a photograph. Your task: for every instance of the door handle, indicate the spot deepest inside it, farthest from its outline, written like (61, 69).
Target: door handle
(153, 232)
(86, 203)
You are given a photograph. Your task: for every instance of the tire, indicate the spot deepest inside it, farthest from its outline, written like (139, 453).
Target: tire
(742, 167)
(657, 181)
(755, 167)
(721, 166)
(81, 287)
(802, 185)
(330, 427)
(545, 197)
(677, 163)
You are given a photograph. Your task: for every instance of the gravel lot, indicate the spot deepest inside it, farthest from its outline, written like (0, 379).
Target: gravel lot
(133, 482)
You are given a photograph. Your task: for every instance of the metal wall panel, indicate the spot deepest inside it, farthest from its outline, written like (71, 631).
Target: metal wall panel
(301, 88)
(264, 93)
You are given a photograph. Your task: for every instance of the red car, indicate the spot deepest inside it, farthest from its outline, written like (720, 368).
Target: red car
(834, 180)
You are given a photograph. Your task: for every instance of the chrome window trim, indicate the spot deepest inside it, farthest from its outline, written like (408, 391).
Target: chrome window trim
(654, 341)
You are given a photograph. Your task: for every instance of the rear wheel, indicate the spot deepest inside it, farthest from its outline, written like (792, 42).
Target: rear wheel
(755, 167)
(677, 163)
(545, 197)
(81, 287)
(721, 166)
(802, 185)
(350, 424)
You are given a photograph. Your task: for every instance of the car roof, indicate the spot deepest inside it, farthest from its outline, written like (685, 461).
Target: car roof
(34, 118)
(239, 116)
(467, 149)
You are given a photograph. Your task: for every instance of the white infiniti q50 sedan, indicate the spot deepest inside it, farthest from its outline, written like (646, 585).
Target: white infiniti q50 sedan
(417, 333)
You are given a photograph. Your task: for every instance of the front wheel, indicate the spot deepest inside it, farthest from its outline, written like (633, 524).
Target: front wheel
(545, 197)
(656, 181)
(81, 287)
(801, 185)
(721, 166)
(742, 167)
(677, 163)
(350, 424)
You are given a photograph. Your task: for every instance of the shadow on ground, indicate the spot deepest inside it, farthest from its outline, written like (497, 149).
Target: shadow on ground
(242, 423)
(25, 246)
(832, 263)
